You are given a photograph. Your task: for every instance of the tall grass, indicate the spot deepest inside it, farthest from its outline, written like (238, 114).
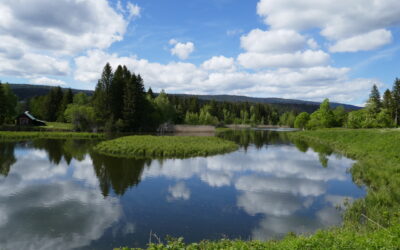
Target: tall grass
(11, 135)
(145, 146)
(378, 168)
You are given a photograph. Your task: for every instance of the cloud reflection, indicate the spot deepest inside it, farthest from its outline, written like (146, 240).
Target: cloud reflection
(41, 208)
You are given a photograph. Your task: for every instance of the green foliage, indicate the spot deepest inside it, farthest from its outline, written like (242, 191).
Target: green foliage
(165, 108)
(323, 117)
(324, 239)
(165, 146)
(302, 120)
(8, 104)
(365, 119)
(51, 107)
(340, 115)
(82, 117)
(191, 118)
(81, 99)
(287, 119)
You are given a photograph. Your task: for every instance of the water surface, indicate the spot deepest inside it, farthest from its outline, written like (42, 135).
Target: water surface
(58, 194)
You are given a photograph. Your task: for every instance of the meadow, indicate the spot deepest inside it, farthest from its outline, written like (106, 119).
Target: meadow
(146, 146)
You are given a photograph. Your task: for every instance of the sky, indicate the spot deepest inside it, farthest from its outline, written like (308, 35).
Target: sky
(297, 49)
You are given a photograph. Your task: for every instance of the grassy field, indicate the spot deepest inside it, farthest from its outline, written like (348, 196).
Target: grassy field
(165, 146)
(12, 136)
(369, 223)
(58, 126)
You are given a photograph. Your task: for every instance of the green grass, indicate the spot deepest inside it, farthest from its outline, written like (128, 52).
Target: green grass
(58, 126)
(321, 240)
(378, 168)
(369, 223)
(165, 146)
(11, 135)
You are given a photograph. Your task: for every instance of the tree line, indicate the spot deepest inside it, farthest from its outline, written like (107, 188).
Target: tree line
(377, 113)
(121, 103)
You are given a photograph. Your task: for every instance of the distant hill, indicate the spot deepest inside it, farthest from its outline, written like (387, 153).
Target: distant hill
(268, 100)
(26, 91)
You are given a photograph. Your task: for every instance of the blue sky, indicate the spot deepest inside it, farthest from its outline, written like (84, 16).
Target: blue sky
(307, 49)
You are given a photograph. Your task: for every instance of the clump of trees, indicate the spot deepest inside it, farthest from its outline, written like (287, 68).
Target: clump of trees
(378, 112)
(8, 104)
(51, 107)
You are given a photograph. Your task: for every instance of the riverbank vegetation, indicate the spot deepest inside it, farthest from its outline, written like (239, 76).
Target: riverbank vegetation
(13, 135)
(322, 240)
(165, 146)
(378, 168)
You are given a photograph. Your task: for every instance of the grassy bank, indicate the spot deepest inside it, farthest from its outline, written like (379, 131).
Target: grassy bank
(378, 168)
(165, 146)
(11, 135)
(369, 223)
(322, 240)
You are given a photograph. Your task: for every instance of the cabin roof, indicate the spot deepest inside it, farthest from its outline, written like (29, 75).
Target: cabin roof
(26, 113)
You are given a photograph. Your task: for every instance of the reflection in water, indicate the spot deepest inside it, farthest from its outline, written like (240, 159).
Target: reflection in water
(117, 173)
(58, 194)
(7, 157)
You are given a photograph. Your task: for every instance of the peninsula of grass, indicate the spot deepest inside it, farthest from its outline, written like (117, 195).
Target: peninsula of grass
(369, 223)
(23, 135)
(148, 146)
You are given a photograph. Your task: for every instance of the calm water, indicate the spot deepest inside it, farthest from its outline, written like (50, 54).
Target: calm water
(57, 194)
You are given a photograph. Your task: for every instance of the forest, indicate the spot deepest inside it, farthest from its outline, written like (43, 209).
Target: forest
(120, 103)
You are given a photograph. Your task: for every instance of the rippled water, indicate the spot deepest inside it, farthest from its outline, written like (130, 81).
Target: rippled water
(57, 194)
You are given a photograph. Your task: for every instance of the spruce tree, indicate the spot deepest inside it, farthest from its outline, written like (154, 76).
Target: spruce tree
(387, 102)
(129, 104)
(116, 93)
(396, 101)
(101, 97)
(374, 102)
(66, 99)
(150, 93)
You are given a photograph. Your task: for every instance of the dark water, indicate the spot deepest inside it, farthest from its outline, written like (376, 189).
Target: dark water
(57, 194)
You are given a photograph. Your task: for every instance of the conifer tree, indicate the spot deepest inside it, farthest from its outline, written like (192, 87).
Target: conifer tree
(396, 101)
(374, 102)
(117, 92)
(101, 97)
(387, 102)
(150, 93)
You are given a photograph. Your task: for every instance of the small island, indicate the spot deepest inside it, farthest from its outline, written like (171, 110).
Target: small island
(145, 146)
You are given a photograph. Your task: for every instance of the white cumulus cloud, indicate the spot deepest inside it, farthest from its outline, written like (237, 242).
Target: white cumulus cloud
(182, 50)
(367, 41)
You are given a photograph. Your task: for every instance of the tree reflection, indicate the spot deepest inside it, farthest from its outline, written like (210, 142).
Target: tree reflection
(259, 138)
(117, 173)
(64, 149)
(7, 157)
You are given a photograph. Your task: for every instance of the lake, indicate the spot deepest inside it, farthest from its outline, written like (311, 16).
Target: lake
(58, 194)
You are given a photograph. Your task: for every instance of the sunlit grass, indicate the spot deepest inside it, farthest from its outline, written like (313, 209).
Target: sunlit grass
(58, 126)
(165, 146)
